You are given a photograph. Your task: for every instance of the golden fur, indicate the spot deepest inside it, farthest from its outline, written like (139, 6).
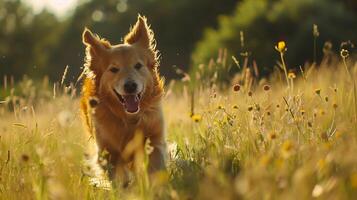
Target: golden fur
(103, 115)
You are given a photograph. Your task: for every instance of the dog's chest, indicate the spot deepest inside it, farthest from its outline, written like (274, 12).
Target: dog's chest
(113, 133)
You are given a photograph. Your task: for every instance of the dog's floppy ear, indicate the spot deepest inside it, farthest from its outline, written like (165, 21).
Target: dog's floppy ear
(142, 36)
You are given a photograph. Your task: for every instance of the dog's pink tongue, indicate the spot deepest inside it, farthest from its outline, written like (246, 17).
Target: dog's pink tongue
(131, 103)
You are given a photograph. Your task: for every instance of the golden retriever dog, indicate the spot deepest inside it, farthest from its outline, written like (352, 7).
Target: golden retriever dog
(121, 95)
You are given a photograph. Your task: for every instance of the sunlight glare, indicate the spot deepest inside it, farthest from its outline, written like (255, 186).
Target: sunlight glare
(58, 7)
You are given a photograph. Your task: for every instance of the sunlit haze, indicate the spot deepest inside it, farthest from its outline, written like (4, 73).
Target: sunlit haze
(58, 7)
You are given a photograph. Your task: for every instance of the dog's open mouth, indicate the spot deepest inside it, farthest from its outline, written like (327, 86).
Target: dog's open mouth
(130, 102)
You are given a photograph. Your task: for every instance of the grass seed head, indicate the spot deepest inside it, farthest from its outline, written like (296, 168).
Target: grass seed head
(302, 111)
(257, 107)
(25, 157)
(272, 136)
(316, 32)
(334, 105)
(324, 136)
(266, 87)
(236, 87)
(327, 49)
(318, 91)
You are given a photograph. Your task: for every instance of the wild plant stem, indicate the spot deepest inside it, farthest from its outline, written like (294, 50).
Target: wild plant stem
(284, 67)
(192, 102)
(315, 50)
(293, 116)
(302, 73)
(346, 68)
(354, 87)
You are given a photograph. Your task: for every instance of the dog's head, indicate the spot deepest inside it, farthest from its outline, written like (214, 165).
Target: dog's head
(127, 71)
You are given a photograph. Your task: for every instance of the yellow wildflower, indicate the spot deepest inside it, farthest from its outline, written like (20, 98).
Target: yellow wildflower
(281, 47)
(265, 160)
(353, 179)
(322, 112)
(321, 164)
(338, 134)
(287, 145)
(291, 75)
(196, 117)
(287, 148)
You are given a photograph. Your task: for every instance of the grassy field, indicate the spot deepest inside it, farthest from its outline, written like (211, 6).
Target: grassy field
(261, 139)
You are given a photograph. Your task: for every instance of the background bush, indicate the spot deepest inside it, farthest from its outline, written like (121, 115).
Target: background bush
(39, 44)
(265, 22)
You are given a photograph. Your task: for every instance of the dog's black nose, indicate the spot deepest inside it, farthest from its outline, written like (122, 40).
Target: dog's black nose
(130, 87)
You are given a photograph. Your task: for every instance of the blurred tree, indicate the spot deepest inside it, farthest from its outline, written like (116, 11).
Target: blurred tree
(352, 4)
(39, 44)
(26, 40)
(177, 26)
(265, 22)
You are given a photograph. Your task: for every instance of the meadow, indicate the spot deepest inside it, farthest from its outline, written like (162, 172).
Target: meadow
(292, 135)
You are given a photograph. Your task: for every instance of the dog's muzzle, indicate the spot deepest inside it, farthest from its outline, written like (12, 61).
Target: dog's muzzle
(131, 102)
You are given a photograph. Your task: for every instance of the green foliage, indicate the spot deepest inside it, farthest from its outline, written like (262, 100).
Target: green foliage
(265, 22)
(25, 39)
(41, 44)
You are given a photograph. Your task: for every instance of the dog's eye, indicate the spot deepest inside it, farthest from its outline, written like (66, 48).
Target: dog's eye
(114, 70)
(138, 66)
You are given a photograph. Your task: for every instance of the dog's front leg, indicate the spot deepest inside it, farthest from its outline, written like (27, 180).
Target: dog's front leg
(108, 162)
(121, 175)
(115, 168)
(157, 158)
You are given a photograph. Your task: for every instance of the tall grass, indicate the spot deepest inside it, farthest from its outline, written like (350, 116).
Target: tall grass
(254, 141)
